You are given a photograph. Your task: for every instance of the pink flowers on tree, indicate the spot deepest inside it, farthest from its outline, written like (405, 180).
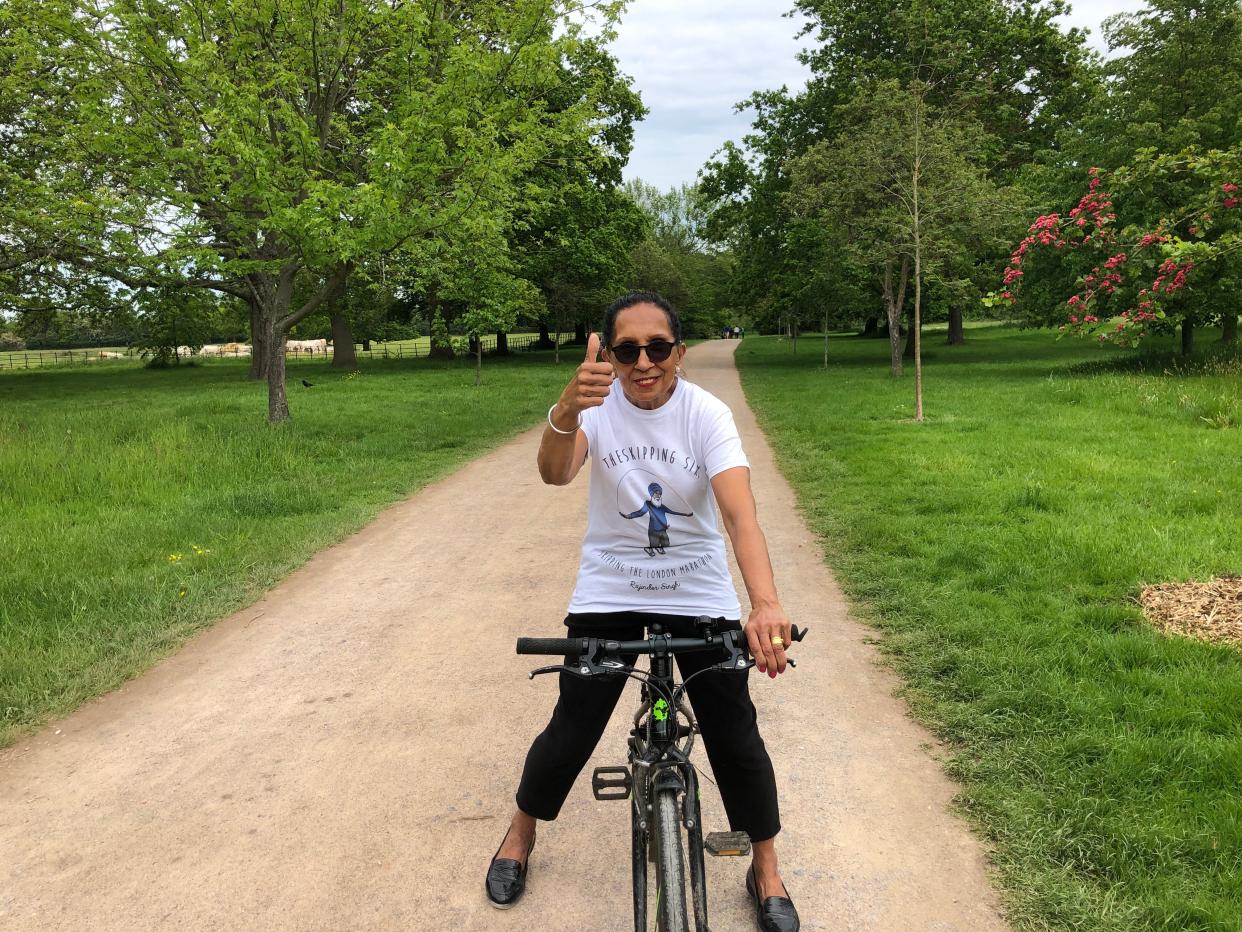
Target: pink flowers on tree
(1127, 257)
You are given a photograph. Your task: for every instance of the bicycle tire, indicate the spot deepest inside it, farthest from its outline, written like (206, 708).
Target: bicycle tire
(670, 864)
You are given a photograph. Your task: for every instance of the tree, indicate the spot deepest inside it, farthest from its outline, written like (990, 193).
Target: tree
(676, 260)
(573, 232)
(908, 181)
(1005, 66)
(260, 147)
(1175, 82)
(1147, 276)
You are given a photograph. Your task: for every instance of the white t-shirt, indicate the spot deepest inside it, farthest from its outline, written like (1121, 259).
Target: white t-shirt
(652, 542)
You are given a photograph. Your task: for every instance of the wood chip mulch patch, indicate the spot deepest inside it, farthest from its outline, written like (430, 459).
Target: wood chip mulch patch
(1209, 611)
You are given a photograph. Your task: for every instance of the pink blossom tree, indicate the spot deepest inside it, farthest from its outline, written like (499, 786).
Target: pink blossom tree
(1158, 270)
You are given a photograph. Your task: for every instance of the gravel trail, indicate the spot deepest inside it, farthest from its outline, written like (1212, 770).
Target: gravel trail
(343, 754)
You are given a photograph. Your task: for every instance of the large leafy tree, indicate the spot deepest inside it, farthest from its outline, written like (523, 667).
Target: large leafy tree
(908, 185)
(1174, 95)
(676, 259)
(1174, 82)
(574, 231)
(1005, 66)
(1009, 63)
(1171, 100)
(1151, 276)
(264, 148)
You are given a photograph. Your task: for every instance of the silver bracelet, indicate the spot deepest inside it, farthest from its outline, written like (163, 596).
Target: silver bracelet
(564, 433)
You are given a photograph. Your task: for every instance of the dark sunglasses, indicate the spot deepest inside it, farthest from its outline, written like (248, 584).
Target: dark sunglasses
(627, 353)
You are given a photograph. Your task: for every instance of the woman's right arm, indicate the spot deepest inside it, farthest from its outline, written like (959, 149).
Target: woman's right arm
(562, 455)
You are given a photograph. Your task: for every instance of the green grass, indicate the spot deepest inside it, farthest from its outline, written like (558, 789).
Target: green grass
(1000, 547)
(105, 472)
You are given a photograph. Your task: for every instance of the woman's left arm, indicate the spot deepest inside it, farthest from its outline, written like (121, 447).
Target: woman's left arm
(741, 520)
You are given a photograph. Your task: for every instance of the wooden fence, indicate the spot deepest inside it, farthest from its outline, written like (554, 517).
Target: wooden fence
(406, 349)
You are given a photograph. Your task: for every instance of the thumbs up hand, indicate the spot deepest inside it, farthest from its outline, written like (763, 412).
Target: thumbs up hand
(588, 388)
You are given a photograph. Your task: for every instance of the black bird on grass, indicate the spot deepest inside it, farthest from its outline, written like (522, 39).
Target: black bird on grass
(308, 384)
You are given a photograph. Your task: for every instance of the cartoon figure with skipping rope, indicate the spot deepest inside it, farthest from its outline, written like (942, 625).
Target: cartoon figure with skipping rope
(657, 519)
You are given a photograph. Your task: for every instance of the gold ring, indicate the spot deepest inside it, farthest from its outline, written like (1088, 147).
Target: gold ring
(777, 641)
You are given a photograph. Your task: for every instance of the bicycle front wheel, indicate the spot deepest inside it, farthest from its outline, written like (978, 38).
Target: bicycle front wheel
(670, 864)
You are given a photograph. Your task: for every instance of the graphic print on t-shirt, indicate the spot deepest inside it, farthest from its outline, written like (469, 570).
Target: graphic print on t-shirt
(640, 485)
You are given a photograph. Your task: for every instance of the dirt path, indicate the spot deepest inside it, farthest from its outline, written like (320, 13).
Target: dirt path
(342, 755)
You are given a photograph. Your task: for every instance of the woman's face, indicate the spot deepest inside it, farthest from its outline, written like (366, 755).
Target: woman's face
(646, 384)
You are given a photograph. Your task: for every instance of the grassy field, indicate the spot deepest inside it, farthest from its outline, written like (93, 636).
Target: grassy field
(1000, 548)
(138, 506)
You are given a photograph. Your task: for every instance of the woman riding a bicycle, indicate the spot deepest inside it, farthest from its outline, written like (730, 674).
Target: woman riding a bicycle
(664, 449)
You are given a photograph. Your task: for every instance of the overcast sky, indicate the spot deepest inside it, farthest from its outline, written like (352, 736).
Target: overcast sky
(692, 60)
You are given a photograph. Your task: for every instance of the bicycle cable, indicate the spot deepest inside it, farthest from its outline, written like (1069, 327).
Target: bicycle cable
(681, 688)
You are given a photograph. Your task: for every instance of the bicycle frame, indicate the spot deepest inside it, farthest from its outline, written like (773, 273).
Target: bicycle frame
(659, 746)
(657, 761)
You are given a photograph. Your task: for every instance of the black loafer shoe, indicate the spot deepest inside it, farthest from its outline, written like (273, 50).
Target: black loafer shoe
(775, 913)
(506, 879)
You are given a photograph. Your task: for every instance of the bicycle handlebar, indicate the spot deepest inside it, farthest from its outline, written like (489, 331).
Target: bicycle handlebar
(556, 646)
(575, 646)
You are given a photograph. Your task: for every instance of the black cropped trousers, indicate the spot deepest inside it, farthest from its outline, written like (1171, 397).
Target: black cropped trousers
(721, 703)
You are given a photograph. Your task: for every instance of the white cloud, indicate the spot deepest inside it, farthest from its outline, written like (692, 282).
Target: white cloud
(694, 60)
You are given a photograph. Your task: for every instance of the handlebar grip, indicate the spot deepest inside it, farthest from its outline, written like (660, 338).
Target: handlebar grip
(553, 646)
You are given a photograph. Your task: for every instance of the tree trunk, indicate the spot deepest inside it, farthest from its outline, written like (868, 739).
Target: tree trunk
(911, 338)
(1229, 328)
(343, 355)
(825, 339)
(274, 297)
(502, 343)
(871, 328)
(545, 337)
(916, 317)
(1188, 336)
(957, 327)
(258, 344)
(277, 401)
(478, 360)
(918, 320)
(892, 310)
(580, 334)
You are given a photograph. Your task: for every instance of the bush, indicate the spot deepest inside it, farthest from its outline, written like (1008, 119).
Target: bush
(10, 341)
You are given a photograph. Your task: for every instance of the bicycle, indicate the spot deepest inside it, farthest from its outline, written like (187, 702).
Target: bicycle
(659, 778)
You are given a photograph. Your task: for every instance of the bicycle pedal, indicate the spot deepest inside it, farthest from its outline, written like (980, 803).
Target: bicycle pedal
(727, 844)
(611, 783)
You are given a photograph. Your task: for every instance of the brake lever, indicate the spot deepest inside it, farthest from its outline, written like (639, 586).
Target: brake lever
(559, 668)
(585, 667)
(739, 657)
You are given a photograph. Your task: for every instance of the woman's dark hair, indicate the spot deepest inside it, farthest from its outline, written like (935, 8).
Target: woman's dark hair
(640, 297)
